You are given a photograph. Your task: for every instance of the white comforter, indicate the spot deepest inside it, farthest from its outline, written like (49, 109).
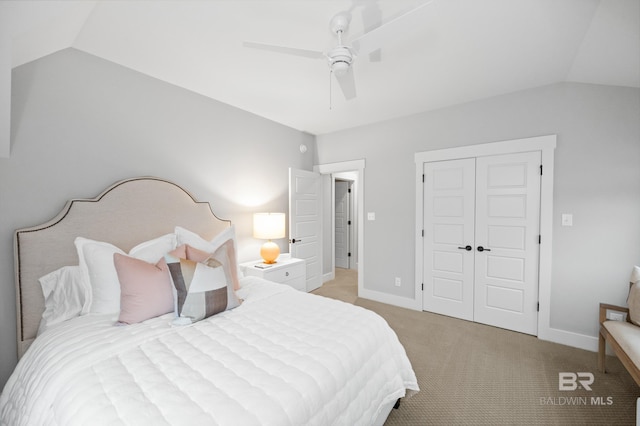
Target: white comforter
(282, 358)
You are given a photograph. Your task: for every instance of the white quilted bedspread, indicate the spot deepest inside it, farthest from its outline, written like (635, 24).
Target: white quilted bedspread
(282, 358)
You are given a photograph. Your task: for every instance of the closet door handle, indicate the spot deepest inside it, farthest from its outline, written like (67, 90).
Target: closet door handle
(467, 248)
(480, 248)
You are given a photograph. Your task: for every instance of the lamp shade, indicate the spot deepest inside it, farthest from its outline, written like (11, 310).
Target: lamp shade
(268, 226)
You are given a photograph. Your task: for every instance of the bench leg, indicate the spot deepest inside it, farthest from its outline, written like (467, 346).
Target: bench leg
(602, 354)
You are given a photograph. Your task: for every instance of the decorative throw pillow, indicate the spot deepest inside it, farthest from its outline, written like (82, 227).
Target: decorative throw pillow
(65, 294)
(96, 263)
(634, 296)
(203, 288)
(145, 289)
(226, 237)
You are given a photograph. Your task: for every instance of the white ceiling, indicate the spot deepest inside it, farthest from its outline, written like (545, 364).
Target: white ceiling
(459, 50)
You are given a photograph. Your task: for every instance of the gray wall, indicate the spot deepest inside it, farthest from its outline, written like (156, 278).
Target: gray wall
(80, 123)
(597, 178)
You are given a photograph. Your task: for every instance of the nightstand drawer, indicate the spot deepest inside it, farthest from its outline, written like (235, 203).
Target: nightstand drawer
(282, 275)
(288, 270)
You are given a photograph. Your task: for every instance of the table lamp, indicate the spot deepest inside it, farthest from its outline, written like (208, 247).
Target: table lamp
(268, 226)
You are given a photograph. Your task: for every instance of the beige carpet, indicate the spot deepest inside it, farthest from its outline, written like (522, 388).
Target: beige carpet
(475, 374)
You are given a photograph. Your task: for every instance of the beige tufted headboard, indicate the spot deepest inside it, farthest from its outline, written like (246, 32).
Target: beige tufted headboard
(125, 214)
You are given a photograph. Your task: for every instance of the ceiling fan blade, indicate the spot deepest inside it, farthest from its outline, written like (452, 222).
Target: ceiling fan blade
(347, 83)
(286, 50)
(373, 40)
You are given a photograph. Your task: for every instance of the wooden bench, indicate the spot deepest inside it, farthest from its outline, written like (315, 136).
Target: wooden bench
(623, 337)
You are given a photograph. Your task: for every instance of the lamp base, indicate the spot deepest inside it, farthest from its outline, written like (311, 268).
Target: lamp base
(269, 252)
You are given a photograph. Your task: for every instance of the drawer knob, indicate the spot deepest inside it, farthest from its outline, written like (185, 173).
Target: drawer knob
(286, 274)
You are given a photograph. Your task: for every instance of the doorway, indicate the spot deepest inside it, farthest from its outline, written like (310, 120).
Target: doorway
(353, 171)
(345, 222)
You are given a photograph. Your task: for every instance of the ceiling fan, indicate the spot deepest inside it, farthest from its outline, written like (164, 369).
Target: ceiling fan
(341, 57)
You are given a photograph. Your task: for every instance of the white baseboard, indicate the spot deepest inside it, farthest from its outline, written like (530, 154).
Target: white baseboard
(328, 277)
(389, 299)
(563, 337)
(569, 338)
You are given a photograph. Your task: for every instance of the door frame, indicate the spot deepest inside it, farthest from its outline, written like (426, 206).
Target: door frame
(348, 166)
(546, 145)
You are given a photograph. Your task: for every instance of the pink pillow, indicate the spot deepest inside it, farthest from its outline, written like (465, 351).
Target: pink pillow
(185, 251)
(145, 289)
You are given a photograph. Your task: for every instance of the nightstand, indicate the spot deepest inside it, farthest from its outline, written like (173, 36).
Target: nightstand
(287, 270)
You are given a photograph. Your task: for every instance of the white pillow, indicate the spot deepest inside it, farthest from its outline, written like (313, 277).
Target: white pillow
(153, 250)
(65, 294)
(98, 269)
(184, 236)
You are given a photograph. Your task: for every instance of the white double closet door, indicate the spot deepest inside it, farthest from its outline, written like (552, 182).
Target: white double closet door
(481, 239)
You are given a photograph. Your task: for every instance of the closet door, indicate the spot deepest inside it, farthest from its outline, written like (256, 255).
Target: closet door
(449, 196)
(481, 249)
(507, 246)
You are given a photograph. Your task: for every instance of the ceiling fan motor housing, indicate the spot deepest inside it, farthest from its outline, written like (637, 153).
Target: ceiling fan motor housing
(340, 59)
(340, 23)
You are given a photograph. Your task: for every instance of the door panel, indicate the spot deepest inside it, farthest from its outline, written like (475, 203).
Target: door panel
(448, 289)
(506, 206)
(304, 222)
(341, 220)
(508, 299)
(506, 237)
(507, 224)
(449, 216)
(448, 262)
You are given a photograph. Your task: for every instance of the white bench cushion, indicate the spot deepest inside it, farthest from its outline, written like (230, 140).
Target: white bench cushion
(628, 337)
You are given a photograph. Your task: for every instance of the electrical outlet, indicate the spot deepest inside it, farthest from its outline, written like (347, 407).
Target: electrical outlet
(371, 216)
(398, 282)
(615, 316)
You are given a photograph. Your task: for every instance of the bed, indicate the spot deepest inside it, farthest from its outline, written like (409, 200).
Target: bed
(271, 356)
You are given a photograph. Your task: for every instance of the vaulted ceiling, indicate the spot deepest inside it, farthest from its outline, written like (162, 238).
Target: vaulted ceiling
(449, 52)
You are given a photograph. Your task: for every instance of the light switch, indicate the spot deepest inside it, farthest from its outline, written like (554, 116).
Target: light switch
(371, 216)
(567, 219)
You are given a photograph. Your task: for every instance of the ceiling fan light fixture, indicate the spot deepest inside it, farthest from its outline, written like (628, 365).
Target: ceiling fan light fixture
(340, 67)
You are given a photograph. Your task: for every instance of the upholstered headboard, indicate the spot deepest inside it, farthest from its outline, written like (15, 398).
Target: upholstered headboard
(125, 214)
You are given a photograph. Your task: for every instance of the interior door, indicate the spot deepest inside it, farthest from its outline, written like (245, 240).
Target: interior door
(342, 224)
(304, 222)
(507, 245)
(449, 237)
(481, 239)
